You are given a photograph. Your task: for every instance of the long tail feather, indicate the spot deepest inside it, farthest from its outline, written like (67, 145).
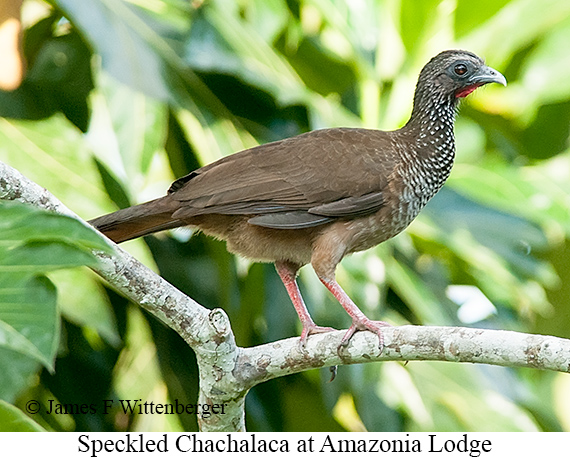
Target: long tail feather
(139, 220)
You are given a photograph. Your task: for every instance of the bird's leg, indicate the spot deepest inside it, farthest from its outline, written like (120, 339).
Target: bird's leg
(288, 273)
(359, 320)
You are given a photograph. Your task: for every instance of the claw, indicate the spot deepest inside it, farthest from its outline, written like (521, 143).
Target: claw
(312, 329)
(363, 323)
(333, 371)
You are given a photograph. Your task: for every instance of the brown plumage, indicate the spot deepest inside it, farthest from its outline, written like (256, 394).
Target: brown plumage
(322, 195)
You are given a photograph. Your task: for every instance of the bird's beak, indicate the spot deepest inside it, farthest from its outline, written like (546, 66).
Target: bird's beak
(486, 75)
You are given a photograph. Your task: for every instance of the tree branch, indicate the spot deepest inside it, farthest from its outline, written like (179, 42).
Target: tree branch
(406, 343)
(227, 371)
(208, 332)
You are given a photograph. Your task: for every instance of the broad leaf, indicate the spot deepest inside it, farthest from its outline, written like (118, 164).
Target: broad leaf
(32, 243)
(13, 419)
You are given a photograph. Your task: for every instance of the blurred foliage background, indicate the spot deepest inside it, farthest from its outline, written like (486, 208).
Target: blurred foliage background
(120, 97)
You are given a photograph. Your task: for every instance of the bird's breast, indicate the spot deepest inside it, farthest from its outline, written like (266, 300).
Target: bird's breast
(386, 223)
(406, 197)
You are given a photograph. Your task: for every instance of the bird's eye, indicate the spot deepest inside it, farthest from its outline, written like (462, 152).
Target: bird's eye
(460, 69)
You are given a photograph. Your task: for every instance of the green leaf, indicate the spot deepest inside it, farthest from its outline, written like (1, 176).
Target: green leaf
(22, 224)
(469, 14)
(123, 35)
(322, 71)
(33, 242)
(547, 136)
(417, 294)
(82, 301)
(415, 19)
(457, 398)
(516, 26)
(545, 72)
(509, 236)
(138, 122)
(37, 258)
(267, 68)
(13, 419)
(143, 50)
(29, 322)
(19, 372)
(54, 154)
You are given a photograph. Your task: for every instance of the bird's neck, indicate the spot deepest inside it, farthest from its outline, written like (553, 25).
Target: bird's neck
(429, 149)
(432, 110)
(430, 127)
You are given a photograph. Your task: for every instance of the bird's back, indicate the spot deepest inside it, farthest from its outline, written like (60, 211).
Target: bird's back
(298, 173)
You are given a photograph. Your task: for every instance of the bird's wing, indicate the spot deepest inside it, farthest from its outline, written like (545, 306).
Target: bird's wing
(317, 215)
(351, 206)
(289, 220)
(294, 183)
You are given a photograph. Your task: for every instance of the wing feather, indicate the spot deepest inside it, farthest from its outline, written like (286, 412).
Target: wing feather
(310, 179)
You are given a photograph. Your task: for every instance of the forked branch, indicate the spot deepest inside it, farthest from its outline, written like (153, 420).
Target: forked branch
(227, 371)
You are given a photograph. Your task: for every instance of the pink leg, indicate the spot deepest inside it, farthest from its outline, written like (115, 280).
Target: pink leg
(288, 272)
(359, 320)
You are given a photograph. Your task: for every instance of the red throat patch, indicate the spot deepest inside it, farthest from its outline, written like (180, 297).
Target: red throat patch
(466, 91)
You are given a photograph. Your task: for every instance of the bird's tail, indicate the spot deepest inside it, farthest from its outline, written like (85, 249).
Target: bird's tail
(139, 220)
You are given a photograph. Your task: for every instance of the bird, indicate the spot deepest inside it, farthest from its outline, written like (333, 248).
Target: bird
(319, 196)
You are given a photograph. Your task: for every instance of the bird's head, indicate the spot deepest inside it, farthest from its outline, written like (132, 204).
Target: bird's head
(455, 74)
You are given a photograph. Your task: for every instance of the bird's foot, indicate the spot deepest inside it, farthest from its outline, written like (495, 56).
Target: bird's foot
(312, 329)
(363, 323)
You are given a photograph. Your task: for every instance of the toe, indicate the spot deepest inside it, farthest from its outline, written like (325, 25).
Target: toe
(365, 324)
(312, 330)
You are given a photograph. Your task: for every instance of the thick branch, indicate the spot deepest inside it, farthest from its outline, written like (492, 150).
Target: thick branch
(406, 343)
